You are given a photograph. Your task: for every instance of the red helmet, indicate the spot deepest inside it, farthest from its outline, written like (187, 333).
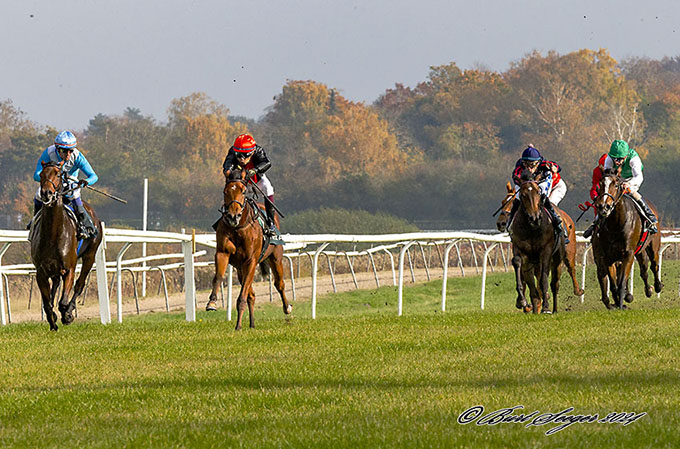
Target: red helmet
(244, 143)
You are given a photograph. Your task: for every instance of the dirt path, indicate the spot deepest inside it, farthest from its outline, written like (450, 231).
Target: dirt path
(176, 301)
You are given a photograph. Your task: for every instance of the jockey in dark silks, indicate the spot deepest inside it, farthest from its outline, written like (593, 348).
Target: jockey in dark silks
(627, 159)
(246, 154)
(549, 180)
(64, 150)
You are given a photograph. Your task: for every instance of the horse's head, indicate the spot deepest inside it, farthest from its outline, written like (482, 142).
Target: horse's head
(234, 196)
(506, 204)
(530, 197)
(50, 182)
(609, 192)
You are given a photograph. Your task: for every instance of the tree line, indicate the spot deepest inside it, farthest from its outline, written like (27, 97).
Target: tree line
(436, 154)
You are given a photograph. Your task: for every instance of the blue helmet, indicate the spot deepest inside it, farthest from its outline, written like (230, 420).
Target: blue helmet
(531, 154)
(65, 139)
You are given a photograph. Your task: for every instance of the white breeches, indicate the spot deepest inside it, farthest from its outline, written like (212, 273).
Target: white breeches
(558, 193)
(264, 185)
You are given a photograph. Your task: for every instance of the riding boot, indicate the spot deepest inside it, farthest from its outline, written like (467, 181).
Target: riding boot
(269, 208)
(588, 232)
(513, 211)
(86, 227)
(650, 215)
(557, 220)
(37, 205)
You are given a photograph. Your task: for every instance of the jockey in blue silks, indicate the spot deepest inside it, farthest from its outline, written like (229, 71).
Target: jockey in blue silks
(64, 150)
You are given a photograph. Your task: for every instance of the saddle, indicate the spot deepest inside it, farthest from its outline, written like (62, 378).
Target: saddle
(267, 237)
(644, 235)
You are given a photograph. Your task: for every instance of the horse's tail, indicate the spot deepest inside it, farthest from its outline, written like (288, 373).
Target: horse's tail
(264, 269)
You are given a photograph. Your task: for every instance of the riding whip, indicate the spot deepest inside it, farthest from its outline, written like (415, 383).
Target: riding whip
(107, 194)
(503, 205)
(266, 198)
(583, 208)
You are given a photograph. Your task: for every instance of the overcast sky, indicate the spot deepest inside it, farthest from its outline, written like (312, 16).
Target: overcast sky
(64, 61)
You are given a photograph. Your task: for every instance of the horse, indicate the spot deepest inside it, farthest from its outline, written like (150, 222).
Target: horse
(54, 247)
(570, 248)
(538, 250)
(619, 240)
(240, 243)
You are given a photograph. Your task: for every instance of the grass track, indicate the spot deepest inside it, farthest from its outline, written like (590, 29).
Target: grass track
(358, 376)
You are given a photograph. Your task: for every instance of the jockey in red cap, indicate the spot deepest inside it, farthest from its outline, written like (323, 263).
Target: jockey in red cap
(245, 153)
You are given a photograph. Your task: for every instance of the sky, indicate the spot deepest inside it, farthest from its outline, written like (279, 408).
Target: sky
(64, 61)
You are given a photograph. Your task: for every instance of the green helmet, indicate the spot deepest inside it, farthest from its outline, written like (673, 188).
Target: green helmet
(619, 149)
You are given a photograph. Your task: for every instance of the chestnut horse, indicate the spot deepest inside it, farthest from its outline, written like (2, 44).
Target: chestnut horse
(570, 248)
(55, 247)
(240, 242)
(616, 243)
(537, 250)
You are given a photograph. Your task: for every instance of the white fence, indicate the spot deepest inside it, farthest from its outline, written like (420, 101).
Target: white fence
(295, 246)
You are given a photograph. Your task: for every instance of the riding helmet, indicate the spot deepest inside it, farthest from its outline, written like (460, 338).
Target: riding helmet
(65, 139)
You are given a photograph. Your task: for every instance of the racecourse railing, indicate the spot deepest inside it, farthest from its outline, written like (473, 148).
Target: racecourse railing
(296, 246)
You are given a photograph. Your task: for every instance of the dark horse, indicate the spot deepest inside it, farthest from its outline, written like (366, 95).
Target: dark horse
(240, 242)
(54, 247)
(619, 240)
(537, 250)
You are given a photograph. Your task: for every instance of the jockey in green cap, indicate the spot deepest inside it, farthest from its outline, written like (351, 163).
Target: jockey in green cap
(622, 157)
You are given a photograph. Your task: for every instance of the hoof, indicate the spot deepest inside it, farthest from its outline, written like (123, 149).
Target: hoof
(658, 287)
(579, 292)
(288, 310)
(546, 311)
(67, 318)
(527, 309)
(211, 306)
(649, 291)
(629, 298)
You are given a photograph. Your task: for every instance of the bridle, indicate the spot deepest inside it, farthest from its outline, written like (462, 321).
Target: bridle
(58, 189)
(608, 208)
(225, 207)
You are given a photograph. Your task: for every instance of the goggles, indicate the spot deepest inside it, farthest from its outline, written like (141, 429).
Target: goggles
(243, 155)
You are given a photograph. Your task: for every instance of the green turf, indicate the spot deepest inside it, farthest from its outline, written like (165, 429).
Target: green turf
(357, 376)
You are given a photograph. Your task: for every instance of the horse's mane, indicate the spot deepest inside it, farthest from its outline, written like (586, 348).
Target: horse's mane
(234, 175)
(51, 164)
(527, 176)
(611, 172)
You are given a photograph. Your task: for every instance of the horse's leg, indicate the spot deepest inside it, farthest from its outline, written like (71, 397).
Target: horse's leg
(530, 279)
(276, 266)
(602, 275)
(644, 265)
(221, 264)
(88, 261)
(653, 250)
(246, 274)
(555, 273)
(570, 261)
(544, 297)
(622, 286)
(47, 294)
(521, 302)
(545, 263)
(64, 305)
(251, 307)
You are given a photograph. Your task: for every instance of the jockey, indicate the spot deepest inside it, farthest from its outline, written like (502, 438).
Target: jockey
(551, 184)
(64, 150)
(246, 154)
(597, 176)
(622, 157)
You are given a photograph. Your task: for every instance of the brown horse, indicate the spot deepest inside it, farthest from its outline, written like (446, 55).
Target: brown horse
(570, 248)
(617, 239)
(239, 242)
(54, 247)
(537, 250)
